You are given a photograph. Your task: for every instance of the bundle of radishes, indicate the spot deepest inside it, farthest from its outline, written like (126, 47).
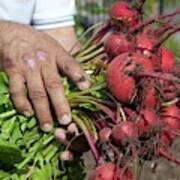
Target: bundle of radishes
(144, 79)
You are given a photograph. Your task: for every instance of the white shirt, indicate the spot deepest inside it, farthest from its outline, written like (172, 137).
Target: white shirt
(42, 14)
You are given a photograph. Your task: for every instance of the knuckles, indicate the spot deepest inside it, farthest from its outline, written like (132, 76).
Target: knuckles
(53, 83)
(37, 94)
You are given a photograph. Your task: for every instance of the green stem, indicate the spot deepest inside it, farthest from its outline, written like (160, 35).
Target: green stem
(89, 41)
(90, 56)
(88, 50)
(7, 114)
(87, 91)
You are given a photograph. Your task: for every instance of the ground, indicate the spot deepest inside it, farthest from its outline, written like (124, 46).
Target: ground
(165, 170)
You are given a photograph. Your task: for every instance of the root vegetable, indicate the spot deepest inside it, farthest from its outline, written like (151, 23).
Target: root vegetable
(120, 84)
(104, 172)
(105, 134)
(167, 60)
(110, 171)
(147, 120)
(117, 44)
(122, 11)
(124, 132)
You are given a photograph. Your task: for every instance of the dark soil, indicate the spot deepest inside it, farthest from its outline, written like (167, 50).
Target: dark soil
(164, 170)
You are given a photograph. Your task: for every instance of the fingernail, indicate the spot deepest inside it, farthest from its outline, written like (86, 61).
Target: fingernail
(84, 85)
(60, 134)
(27, 113)
(46, 127)
(72, 129)
(65, 119)
(66, 156)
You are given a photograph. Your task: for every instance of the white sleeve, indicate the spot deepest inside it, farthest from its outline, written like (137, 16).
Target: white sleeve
(20, 11)
(50, 14)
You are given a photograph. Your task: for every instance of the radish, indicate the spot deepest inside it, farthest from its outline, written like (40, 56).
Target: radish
(171, 117)
(104, 134)
(120, 84)
(146, 120)
(121, 11)
(166, 138)
(171, 111)
(142, 62)
(172, 122)
(146, 40)
(118, 43)
(110, 171)
(123, 132)
(167, 60)
(149, 95)
(119, 79)
(105, 171)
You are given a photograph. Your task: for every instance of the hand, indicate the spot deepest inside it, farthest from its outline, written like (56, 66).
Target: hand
(33, 60)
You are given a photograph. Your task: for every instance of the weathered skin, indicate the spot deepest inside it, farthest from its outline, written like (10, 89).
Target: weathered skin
(32, 59)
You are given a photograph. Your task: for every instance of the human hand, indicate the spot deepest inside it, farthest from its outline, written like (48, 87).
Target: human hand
(33, 60)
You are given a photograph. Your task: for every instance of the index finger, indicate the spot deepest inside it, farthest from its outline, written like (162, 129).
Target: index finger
(72, 68)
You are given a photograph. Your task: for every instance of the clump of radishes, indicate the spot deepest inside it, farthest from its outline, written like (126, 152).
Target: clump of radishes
(140, 116)
(144, 79)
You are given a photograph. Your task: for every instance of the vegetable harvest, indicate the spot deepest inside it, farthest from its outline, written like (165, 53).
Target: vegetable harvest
(130, 114)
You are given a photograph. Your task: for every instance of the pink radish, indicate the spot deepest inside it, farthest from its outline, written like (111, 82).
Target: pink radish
(122, 11)
(118, 43)
(123, 132)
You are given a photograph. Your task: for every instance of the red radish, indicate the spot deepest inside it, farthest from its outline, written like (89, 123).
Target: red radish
(110, 171)
(161, 151)
(166, 138)
(172, 122)
(169, 90)
(171, 116)
(149, 95)
(120, 84)
(123, 132)
(121, 11)
(155, 60)
(145, 43)
(142, 62)
(167, 60)
(147, 120)
(171, 111)
(105, 171)
(119, 79)
(117, 44)
(104, 134)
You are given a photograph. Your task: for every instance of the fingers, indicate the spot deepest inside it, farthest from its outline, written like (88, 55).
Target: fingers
(56, 92)
(72, 68)
(17, 91)
(16, 86)
(38, 95)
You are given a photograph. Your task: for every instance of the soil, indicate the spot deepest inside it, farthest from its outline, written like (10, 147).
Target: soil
(164, 170)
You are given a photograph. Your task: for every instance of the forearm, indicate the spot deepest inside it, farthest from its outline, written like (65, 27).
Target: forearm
(66, 36)
(3, 27)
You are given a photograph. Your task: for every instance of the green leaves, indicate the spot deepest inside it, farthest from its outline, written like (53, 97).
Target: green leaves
(9, 154)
